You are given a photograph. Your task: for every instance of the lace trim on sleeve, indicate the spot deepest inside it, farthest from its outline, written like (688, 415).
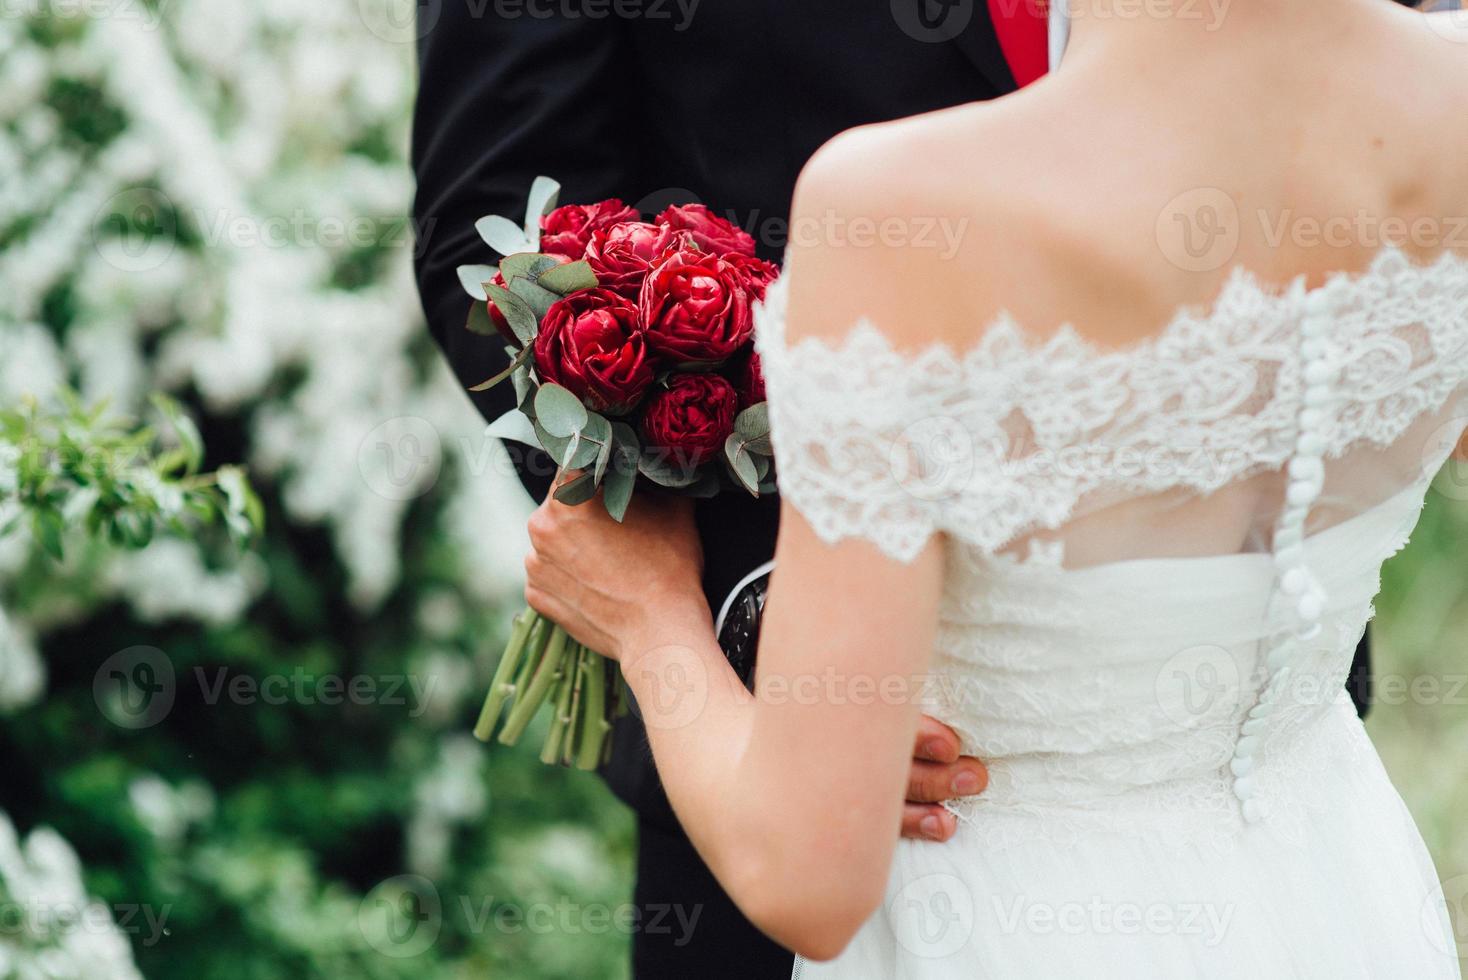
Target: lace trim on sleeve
(1015, 436)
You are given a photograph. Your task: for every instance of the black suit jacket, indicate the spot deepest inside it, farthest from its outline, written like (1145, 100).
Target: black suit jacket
(654, 106)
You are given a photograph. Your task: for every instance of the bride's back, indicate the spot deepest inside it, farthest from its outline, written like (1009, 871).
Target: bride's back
(1171, 388)
(1165, 189)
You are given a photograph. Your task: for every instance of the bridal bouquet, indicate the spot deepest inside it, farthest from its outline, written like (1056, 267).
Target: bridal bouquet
(631, 355)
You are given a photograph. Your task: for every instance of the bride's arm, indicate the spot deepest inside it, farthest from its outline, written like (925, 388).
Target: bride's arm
(792, 797)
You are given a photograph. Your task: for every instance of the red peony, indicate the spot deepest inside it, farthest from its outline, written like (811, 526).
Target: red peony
(749, 381)
(711, 232)
(691, 417)
(591, 343)
(623, 255)
(756, 273)
(568, 230)
(498, 319)
(695, 307)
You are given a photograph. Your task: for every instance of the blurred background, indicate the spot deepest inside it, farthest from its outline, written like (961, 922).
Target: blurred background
(208, 199)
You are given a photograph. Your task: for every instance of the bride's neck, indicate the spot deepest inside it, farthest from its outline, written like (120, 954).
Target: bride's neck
(1190, 29)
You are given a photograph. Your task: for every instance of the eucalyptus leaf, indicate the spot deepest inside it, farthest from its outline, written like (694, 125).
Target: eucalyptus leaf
(538, 298)
(577, 491)
(522, 356)
(520, 378)
(554, 445)
(753, 428)
(513, 426)
(596, 434)
(504, 236)
(479, 321)
(544, 193)
(662, 469)
(617, 491)
(569, 278)
(603, 458)
(741, 465)
(473, 278)
(526, 265)
(559, 412)
(524, 324)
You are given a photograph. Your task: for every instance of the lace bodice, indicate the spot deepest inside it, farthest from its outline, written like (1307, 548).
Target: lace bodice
(1224, 492)
(1011, 436)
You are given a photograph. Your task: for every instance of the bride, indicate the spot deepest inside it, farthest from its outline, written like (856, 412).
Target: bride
(1127, 558)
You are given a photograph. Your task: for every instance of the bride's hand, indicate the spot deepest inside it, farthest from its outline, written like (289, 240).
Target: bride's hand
(618, 588)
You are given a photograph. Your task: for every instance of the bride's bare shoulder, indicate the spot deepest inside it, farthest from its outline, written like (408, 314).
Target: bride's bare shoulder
(931, 226)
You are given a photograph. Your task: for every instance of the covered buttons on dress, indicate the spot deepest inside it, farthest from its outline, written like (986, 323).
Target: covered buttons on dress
(1303, 598)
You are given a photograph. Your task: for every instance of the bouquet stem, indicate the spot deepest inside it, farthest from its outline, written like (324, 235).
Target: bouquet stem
(543, 665)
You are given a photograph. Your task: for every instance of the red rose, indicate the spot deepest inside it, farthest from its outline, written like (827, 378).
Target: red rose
(498, 319)
(623, 255)
(567, 230)
(691, 417)
(591, 343)
(749, 381)
(711, 232)
(756, 273)
(695, 308)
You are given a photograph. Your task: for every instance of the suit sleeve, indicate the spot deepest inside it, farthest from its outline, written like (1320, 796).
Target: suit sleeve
(501, 100)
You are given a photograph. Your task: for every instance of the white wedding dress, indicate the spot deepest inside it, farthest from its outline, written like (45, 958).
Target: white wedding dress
(1160, 561)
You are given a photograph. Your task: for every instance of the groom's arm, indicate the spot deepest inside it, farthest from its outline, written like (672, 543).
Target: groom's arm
(501, 100)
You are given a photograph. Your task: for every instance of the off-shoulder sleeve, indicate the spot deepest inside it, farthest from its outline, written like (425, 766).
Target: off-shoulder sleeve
(1016, 436)
(874, 443)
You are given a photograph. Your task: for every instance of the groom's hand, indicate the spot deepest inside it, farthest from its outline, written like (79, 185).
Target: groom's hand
(938, 773)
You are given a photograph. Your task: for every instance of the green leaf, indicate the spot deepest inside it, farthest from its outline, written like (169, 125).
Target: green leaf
(47, 526)
(603, 458)
(617, 490)
(544, 192)
(554, 445)
(538, 298)
(245, 515)
(524, 389)
(589, 442)
(559, 412)
(513, 426)
(520, 358)
(504, 236)
(473, 278)
(570, 278)
(524, 323)
(189, 439)
(664, 470)
(741, 465)
(578, 491)
(753, 428)
(479, 321)
(527, 265)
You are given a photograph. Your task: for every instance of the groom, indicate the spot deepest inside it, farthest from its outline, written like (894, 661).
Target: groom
(658, 102)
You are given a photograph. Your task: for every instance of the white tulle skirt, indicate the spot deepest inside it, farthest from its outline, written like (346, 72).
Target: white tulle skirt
(1347, 893)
